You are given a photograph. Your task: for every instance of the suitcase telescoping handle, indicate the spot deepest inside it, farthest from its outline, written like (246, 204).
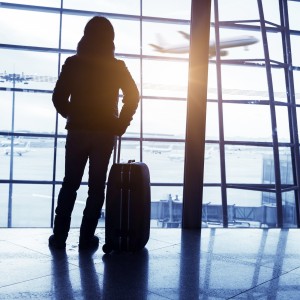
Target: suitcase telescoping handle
(117, 149)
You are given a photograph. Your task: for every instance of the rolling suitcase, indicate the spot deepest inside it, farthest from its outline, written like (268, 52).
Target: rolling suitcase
(128, 206)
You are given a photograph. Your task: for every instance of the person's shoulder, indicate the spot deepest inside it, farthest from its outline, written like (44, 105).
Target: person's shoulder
(119, 63)
(72, 59)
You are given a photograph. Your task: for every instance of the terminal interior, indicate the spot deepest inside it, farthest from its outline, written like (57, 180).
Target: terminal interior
(217, 125)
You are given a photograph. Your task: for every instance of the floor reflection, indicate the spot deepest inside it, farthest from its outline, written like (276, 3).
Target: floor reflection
(177, 264)
(61, 283)
(126, 274)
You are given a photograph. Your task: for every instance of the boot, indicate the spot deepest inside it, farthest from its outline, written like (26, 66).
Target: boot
(87, 239)
(60, 232)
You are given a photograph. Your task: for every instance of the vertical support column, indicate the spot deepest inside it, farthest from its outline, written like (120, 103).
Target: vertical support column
(220, 114)
(56, 122)
(289, 80)
(273, 116)
(11, 165)
(141, 82)
(196, 114)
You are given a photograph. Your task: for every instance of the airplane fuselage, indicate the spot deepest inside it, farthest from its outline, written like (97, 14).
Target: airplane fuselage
(237, 41)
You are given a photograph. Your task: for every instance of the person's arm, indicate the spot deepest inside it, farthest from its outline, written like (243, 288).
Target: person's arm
(62, 91)
(130, 99)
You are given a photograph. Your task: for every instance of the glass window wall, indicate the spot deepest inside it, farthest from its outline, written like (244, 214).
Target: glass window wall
(252, 142)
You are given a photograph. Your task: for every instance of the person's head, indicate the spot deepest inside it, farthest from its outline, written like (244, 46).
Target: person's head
(98, 38)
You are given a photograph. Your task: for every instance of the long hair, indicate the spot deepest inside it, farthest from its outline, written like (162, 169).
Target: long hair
(98, 38)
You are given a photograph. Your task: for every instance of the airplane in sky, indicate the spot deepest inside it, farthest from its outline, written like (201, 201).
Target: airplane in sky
(225, 43)
(19, 150)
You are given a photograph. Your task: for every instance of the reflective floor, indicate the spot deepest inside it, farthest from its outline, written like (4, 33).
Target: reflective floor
(221, 264)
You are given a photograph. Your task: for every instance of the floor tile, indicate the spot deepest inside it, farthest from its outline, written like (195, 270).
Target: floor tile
(176, 264)
(285, 287)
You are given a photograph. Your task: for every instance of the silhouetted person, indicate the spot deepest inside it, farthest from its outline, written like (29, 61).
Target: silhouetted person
(86, 94)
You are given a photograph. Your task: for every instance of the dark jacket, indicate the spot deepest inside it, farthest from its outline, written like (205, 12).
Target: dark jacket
(87, 94)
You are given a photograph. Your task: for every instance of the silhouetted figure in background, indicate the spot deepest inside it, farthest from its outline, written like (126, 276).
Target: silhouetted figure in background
(86, 94)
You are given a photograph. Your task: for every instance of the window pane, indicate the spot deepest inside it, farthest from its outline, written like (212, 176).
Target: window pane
(166, 206)
(295, 45)
(212, 122)
(61, 125)
(38, 28)
(34, 113)
(5, 159)
(297, 86)
(31, 206)
(134, 129)
(293, 10)
(247, 122)
(212, 214)
(3, 202)
(282, 120)
(50, 3)
(271, 11)
(289, 210)
(176, 9)
(165, 78)
(60, 159)
(134, 67)
(244, 83)
(212, 172)
(129, 151)
(37, 70)
(279, 87)
(244, 164)
(275, 46)
(237, 10)
(162, 163)
(286, 171)
(5, 110)
(238, 44)
(244, 198)
(73, 28)
(28, 153)
(164, 39)
(116, 6)
(245, 208)
(164, 117)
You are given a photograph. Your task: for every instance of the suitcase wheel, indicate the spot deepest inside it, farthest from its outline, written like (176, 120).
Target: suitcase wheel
(106, 248)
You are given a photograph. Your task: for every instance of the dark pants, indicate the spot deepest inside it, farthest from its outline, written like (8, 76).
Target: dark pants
(82, 146)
